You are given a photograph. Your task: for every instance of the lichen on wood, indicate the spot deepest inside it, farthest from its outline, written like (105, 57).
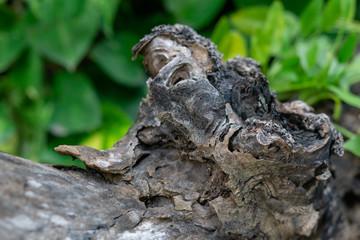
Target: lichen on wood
(213, 154)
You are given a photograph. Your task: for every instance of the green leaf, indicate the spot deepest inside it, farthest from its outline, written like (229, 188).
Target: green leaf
(323, 50)
(114, 57)
(353, 71)
(77, 107)
(311, 17)
(347, 49)
(259, 50)
(348, 27)
(27, 75)
(274, 26)
(335, 72)
(346, 96)
(291, 62)
(7, 18)
(56, 10)
(331, 14)
(249, 3)
(7, 126)
(31, 112)
(337, 107)
(286, 85)
(11, 45)
(292, 29)
(108, 9)
(249, 20)
(269, 38)
(233, 44)
(275, 68)
(195, 13)
(260, 47)
(307, 54)
(353, 145)
(34, 121)
(115, 125)
(66, 40)
(222, 27)
(283, 81)
(348, 9)
(313, 54)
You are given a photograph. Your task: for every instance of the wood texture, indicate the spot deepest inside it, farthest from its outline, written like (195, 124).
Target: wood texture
(213, 155)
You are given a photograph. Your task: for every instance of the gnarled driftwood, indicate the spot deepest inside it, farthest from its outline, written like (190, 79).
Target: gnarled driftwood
(213, 155)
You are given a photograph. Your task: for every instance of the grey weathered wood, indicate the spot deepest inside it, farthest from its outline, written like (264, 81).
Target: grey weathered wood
(212, 155)
(42, 202)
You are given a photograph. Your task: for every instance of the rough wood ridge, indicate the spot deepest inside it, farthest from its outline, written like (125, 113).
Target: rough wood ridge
(213, 155)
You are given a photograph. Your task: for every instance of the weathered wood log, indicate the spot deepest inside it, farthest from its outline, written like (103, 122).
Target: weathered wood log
(212, 155)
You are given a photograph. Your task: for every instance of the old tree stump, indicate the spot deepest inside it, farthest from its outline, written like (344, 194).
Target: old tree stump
(213, 155)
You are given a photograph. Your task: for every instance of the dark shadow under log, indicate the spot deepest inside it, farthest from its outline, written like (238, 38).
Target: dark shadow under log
(213, 155)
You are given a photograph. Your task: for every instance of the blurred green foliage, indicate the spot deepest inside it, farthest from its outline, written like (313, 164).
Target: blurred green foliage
(66, 75)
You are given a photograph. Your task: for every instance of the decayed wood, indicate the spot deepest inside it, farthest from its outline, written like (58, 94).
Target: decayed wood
(43, 202)
(212, 155)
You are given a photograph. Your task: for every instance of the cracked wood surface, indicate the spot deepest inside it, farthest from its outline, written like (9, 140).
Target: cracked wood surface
(212, 155)
(43, 202)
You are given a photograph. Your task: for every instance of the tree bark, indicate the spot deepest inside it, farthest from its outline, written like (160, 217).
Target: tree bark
(212, 155)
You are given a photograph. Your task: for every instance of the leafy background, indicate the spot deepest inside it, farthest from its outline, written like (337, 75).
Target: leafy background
(66, 75)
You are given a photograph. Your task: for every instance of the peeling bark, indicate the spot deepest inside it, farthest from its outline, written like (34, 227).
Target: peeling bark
(213, 154)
